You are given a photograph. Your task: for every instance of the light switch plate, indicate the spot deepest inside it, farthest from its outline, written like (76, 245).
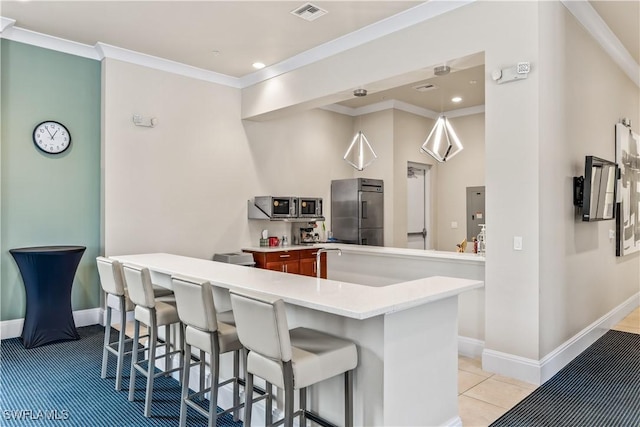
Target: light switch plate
(612, 234)
(454, 224)
(517, 243)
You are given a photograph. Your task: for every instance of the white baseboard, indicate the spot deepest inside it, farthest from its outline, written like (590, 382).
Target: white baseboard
(13, 328)
(454, 422)
(539, 371)
(565, 353)
(470, 347)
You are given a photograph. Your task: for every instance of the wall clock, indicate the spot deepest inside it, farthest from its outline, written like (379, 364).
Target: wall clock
(51, 137)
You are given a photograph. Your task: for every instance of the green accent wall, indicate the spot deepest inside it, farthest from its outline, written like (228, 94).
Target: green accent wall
(48, 199)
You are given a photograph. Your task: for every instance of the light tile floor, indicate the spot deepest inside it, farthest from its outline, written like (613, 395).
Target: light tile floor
(483, 397)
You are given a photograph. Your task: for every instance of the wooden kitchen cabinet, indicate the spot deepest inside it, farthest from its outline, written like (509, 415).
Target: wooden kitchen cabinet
(301, 261)
(308, 263)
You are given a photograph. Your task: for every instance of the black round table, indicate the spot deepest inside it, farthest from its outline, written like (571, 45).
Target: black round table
(47, 273)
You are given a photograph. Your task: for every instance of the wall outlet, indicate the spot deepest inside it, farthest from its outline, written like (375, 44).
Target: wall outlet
(517, 243)
(612, 234)
(454, 224)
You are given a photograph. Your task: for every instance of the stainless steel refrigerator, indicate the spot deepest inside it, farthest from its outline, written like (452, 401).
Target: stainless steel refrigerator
(357, 211)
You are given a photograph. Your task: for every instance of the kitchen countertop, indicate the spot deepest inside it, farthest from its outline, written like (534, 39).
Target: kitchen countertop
(330, 296)
(378, 250)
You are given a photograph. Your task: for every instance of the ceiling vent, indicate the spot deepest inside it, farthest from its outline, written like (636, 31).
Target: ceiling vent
(309, 12)
(425, 87)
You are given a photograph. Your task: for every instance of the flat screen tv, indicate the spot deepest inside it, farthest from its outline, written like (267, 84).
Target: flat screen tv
(595, 193)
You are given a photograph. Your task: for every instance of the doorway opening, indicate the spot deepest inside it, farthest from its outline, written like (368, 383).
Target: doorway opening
(418, 206)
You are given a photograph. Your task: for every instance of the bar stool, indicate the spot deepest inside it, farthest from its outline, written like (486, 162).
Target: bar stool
(204, 330)
(117, 297)
(290, 359)
(153, 314)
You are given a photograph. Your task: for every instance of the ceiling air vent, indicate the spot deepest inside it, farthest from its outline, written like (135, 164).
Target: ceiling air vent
(309, 12)
(425, 87)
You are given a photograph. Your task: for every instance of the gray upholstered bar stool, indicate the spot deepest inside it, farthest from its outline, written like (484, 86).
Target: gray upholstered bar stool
(153, 314)
(290, 359)
(206, 332)
(117, 297)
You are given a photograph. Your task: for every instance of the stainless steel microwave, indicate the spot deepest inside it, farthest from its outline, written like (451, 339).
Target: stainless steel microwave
(310, 207)
(278, 207)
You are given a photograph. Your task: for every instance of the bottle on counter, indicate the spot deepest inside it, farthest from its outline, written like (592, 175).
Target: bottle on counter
(482, 240)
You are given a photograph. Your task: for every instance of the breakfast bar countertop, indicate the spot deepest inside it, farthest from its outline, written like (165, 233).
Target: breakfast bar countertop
(342, 298)
(385, 251)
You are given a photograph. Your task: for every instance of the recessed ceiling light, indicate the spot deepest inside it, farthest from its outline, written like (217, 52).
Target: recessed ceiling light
(258, 65)
(456, 99)
(215, 52)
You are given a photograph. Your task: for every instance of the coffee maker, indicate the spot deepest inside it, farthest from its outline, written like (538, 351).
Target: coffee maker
(305, 233)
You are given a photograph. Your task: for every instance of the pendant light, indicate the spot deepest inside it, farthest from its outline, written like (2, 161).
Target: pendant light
(360, 154)
(442, 143)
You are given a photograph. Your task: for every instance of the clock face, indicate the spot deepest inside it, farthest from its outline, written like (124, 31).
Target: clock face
(51, 137)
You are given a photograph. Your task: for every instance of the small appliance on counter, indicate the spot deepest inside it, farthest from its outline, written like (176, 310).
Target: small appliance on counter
(308, 236)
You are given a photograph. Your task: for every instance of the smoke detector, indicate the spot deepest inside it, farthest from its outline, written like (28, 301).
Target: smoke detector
(308, 12)
(442, 70)
(360, 92)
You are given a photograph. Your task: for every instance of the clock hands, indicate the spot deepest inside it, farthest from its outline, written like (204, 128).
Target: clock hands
(47, 129)
(54, 134)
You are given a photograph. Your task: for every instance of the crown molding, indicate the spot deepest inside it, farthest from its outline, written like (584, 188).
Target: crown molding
(392, 24)
(6, 23)
(461, 112)
(114, 52)
(394, 104)
(33, 38)
(595, 25)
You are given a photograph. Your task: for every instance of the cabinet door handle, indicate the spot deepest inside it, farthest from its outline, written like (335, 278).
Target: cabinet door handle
(283, 268)
(315, 267)
(285, 256)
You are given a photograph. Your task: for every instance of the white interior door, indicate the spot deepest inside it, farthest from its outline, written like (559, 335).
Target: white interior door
(418, 208)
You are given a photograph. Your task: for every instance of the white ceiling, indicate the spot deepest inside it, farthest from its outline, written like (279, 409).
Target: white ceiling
(227, 37)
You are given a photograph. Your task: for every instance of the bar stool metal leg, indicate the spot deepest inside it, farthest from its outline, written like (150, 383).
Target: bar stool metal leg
(248, 400)
(185, 384)
(121, 339)
(134, 359)
(303, 407)
(153, 337)
(268, 416)
(167, 349)
(107, 339)
(288, 394)
(348, 398)
(236, 385)
(213, 396)
(202, 371)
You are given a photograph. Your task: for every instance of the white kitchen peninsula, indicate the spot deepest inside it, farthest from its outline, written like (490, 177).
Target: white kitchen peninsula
(406, 334)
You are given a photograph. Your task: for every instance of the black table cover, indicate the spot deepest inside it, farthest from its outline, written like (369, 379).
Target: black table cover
(47, 273)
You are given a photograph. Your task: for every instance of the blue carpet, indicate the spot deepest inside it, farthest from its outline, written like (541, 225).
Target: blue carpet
(600, 387)
(60, 384)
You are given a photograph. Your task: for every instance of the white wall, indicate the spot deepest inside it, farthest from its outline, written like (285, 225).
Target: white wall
(585, 95)
(183, 186)
(175, 187)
